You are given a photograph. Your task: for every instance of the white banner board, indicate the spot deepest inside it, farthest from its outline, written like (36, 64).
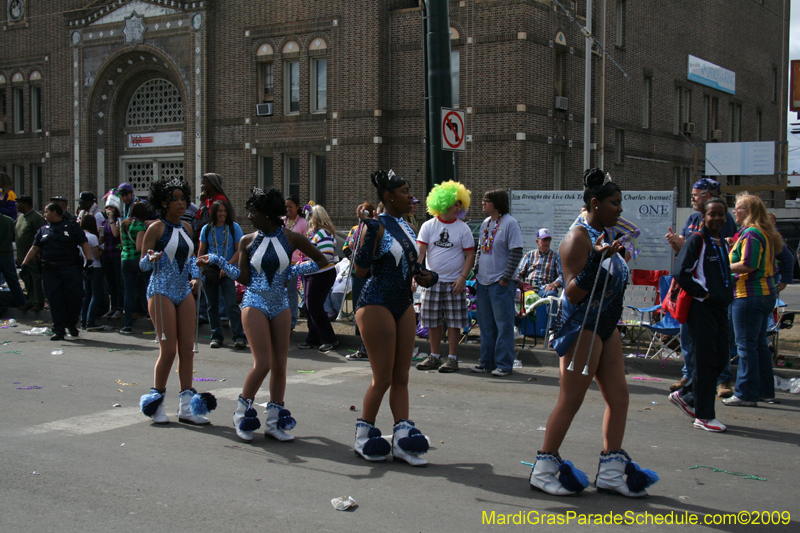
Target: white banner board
(155, 139)
(740, 159)
(711, 75)
(652, 212)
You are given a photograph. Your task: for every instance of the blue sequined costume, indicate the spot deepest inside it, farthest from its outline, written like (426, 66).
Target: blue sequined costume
(171, 274)
(568, 323)
(389, 284)
(270, 268)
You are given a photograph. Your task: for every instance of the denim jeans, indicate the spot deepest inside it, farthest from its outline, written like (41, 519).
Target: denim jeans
(134, 284)
(92, 297)
(8, 269)
(496, 322)
(228, 289)
(754, 380)
(112, 270)
(545, 293)
(686, 351)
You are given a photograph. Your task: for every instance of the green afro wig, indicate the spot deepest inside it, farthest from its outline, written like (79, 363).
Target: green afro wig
(443, 196)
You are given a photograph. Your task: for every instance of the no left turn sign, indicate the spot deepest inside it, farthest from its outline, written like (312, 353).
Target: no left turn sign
(453, 133)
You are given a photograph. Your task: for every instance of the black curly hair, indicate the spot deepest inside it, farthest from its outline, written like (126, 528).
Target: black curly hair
(161, 192)
(595, 186)
(269, 203)
(382, 181)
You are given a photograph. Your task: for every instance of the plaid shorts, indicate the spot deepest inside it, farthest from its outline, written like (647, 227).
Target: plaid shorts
(439, 303)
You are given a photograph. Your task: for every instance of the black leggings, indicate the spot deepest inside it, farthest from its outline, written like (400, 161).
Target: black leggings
(708, 329)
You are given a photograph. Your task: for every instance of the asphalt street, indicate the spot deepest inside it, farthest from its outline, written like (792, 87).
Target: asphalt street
(77, 455)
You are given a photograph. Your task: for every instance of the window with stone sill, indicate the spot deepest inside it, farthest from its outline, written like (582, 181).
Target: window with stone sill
(319, 85)
(291, 76)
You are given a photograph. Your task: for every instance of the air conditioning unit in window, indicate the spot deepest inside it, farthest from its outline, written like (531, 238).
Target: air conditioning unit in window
(688, 128)
(562, 103)
(264, 110)
(716, 135)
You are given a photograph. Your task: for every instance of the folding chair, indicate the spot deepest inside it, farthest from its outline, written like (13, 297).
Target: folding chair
(666, 327)
(636, 297)
(538, 319)
(777, 321)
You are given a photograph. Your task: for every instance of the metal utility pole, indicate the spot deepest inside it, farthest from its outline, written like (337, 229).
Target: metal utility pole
(587, 97)
(601, 109)
(438, 88)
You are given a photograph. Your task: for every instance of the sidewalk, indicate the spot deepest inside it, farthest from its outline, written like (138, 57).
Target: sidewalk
(468, 354)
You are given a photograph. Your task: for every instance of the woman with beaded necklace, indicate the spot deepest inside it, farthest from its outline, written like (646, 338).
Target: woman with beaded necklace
(168, 251)
(264, 267)
(586, 338)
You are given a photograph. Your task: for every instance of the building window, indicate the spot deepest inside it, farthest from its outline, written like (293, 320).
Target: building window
(36, 108)
(455, 72)
(265, 174)
(291, 74)
(735, 134)
(681, 176)
(619, 146)
(156, 101)
(3, 111)
(759, 119)
(774, 85)
(319, 85)
(19, 107)
(647, 95)
(37, 179)
(619, 39)
(291, 175)
(683, 108)
(558, 171)
(318, 191)
(558, 73)
(19, 179)
(267, 82)
(706, 116)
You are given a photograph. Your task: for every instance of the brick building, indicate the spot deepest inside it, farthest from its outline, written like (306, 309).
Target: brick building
(95, 92)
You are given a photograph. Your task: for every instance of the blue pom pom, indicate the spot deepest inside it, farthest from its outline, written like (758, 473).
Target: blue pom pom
(285, 420)
(203, 403)
(376, 445)
(571, 478)
(639, 478)
(250, 422)
(150, 402)
(415, 442)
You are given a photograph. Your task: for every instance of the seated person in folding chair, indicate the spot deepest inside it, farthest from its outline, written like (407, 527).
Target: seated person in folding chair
(702, 191)
(541, 268)
(447, 246)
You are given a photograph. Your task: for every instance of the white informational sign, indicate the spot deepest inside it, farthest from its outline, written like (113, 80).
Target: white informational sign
(740, 159)
(651, 211)
(453, 130)
(154, 140)
(711, 75)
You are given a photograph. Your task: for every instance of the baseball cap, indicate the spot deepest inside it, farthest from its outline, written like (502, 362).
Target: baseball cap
(125, 187)
(88, 196)
(544, 233)
(59, 199)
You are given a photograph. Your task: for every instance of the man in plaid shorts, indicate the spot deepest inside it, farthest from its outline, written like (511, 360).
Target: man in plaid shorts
(447, 246)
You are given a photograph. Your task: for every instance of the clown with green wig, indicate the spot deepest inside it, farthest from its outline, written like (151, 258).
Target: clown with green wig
(447, 247)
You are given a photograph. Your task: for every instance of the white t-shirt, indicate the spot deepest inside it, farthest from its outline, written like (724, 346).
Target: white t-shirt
(93, 242)
(491, 266)
(447, 242)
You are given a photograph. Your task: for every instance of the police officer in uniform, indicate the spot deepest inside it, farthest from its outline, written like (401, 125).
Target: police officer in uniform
(57, 244)
(64, 203)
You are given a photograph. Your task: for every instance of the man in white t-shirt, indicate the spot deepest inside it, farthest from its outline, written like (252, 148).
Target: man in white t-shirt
(447, 246)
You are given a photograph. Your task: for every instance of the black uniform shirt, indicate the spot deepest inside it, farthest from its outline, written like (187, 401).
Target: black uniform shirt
(59, 242)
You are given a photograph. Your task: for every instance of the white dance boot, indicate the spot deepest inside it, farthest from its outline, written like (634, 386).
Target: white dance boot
(152, 405)
(543, 476)
(279, 421)
(369, 443)
(409, 443)
(187, 412)
(245, 419)
(616, 464)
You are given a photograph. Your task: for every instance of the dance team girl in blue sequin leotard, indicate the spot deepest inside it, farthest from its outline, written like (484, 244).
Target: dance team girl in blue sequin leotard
(595, 276)
(168, 253)
(264, 267)
(385, 318)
